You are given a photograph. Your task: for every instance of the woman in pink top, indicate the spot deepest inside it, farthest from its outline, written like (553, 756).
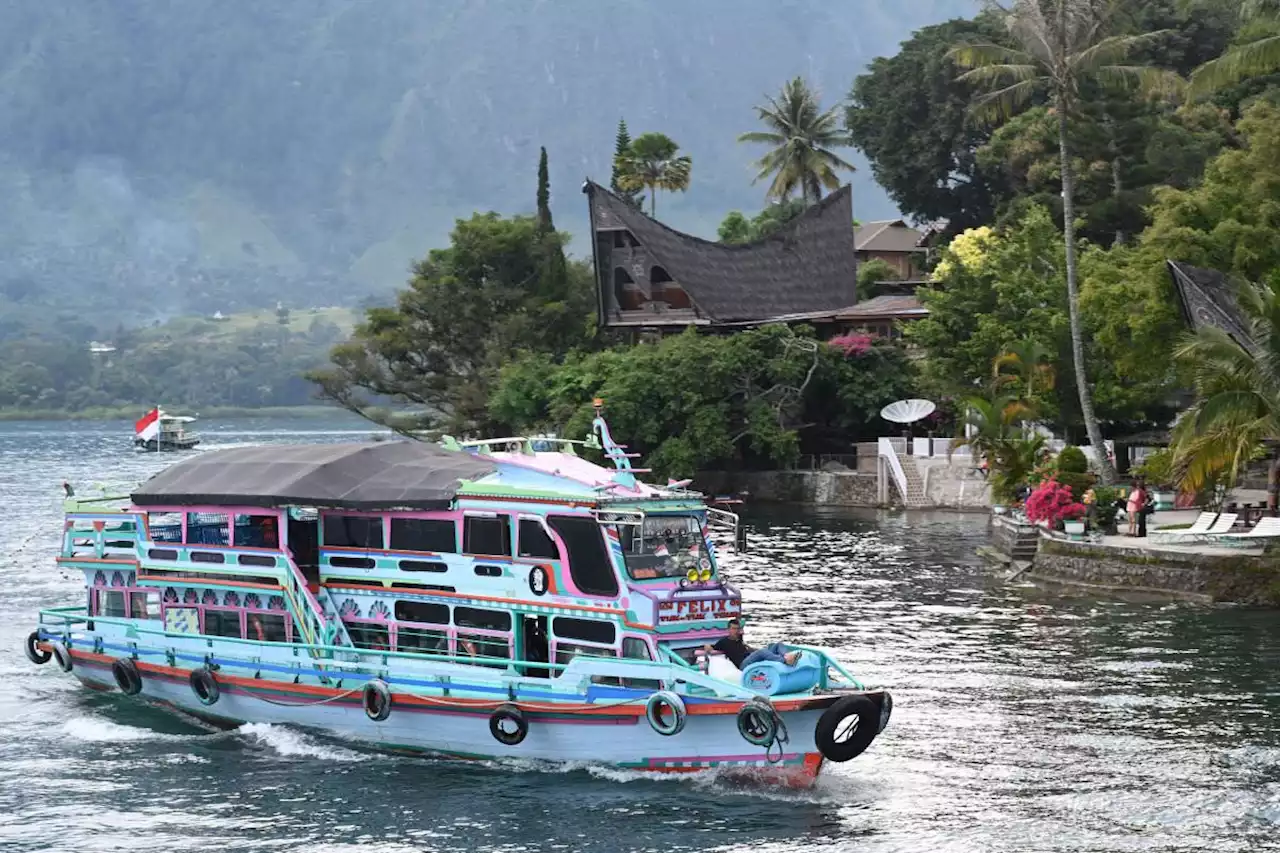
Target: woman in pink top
(1137, 500)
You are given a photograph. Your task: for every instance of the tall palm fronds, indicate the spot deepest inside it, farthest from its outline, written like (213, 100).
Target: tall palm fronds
(653, 163)
(1259, 54)
(1237, 386)
(802, 136)
(1024, 363)
(996, 433)
(1060, 44)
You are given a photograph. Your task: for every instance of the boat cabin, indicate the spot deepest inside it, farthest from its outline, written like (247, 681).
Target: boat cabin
(516, 554)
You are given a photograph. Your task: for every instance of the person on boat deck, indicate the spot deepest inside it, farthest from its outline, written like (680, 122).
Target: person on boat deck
(256, 631)
(742, 655)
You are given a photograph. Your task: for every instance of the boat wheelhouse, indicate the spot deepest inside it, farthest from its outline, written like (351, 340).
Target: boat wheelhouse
(476, 600)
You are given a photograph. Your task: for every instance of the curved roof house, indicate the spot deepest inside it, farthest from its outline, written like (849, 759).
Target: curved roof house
(651, 276)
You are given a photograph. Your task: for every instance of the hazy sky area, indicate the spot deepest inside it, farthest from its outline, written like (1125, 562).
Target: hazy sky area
(319, 146)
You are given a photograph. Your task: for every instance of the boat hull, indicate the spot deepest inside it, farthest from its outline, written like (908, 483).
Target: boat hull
(165, 445)
(617, 736)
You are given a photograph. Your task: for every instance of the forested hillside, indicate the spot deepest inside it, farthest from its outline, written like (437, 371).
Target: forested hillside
(193, 156)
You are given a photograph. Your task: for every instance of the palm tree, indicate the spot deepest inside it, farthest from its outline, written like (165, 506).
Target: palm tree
(1061, 44)
(802, 137)
(651, 163)
(1237, 408)
(1028, 366)
(994, 431)
(1253, 58)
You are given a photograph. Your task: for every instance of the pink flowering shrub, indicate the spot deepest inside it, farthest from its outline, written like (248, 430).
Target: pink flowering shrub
(1052, 502)
(852, 344)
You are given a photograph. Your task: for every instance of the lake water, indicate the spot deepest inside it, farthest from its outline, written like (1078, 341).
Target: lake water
(1025, 719)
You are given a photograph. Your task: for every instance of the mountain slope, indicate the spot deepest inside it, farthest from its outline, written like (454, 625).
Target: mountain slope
(194, 155)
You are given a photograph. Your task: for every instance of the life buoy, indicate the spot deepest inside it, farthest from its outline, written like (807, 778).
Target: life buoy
(377, 700)
(204, 686)
(128, 679)
(35, 654)
(61, 655)
(508, 725)
(665, 712)
(758, 723)
(847, 728)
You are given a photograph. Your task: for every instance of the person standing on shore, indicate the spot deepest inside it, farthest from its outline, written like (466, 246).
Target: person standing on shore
(1135, 506)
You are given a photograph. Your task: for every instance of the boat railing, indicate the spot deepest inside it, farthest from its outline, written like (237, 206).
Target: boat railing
(311, 617)
(63, 622)
(111, 534)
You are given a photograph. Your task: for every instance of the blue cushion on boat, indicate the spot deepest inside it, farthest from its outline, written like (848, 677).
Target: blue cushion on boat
(773, 677)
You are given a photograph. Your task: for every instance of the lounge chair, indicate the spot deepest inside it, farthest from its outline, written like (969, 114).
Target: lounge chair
(1221, 527)
(1266, 528)
(1199, 527)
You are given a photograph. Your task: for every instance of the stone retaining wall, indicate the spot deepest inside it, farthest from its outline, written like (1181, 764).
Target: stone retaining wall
(833, 488)
(1253, 580)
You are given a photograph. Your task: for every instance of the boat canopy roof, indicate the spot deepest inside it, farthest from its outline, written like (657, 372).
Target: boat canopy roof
(360, 476)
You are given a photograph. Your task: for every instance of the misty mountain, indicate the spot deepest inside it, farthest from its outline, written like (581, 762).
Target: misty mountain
(195, 155)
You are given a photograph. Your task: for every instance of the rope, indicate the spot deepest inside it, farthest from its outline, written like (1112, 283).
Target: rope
(447, 702)
(335, 698)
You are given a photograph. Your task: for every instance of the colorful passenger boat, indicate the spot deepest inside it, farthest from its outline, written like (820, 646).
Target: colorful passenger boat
(483, 600)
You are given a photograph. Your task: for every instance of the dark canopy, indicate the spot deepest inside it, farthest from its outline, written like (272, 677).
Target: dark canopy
(383, 475)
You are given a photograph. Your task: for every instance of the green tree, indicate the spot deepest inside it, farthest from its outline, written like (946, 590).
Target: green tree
(993, 429)
(1257, 52)
(736, 228)
(621, 146)
(803, 138)
(652, 163)
(466, 311)
(544, 194)
(872, 274)
(1062, 44)
(910, 116)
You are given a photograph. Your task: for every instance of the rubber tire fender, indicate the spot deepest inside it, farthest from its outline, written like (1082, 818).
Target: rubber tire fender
(35, 654)
(508, 714)
(376, 699)
(758, 723)
(865, 730)
(204, 685)
(62, 655)
(127, 677)
(653, 713)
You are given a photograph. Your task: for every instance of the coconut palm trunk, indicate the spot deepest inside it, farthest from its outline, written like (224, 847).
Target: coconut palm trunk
(1073, 301)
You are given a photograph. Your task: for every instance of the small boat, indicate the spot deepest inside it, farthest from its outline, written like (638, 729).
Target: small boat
(158, 430)
(475, 600)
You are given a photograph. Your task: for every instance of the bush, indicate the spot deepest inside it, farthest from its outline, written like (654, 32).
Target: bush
(1156, 469)
(1053, 502)
(1072, 460)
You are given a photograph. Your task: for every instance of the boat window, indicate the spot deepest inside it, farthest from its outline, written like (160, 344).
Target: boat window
(257, 531)
(165, 526)
(534, 541)
(222, 623)
(589, 630)
(422, 611)
(422, 566)
(352, 562)
(433, 535)
(490, 537)
(255, 560)
(664, 546)
(636, 649)
(566, 652)
(265, 627)
(208, 528)
(144, 605)
(589, 564)
(489, 620)
(353, 531)
(367, 636)
(111, 603)
(411, 638)
(485, 646)
(207, 557)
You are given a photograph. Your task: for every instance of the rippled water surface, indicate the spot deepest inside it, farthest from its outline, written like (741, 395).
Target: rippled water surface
(1026, 719)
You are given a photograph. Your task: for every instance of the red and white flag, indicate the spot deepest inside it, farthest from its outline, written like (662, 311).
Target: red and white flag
(148, 426)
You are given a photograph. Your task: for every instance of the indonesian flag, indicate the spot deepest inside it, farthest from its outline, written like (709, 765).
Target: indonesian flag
(148, 426)
(660, 551)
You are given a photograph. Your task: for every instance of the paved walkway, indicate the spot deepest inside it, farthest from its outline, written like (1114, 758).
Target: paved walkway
(1170, 518)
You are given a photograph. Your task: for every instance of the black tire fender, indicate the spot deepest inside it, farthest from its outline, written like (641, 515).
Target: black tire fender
(508, 725)
(376, 700)
(127, 677)
(205, 686)
(846, 729)
(758, 723)
(35, 654)
(62, 655)
(665, 712)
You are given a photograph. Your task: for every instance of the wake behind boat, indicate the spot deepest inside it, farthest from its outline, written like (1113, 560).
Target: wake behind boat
(475, 600)
(158, 430)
